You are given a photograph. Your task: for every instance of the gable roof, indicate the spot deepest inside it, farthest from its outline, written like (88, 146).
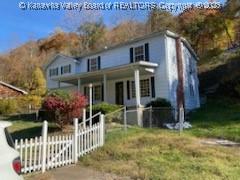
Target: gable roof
(13, 87)
(57, 56)
(155, 34)
(164, 32)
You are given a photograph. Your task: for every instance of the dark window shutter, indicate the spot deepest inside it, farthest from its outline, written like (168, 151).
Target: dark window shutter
(99, 62)
(153, 87)
(88, 65)
(131, 55)
(128, 90)
(69, 68)
(146, 52)
(85, 91)
(57, 71)
(102, 92)
(61, 70)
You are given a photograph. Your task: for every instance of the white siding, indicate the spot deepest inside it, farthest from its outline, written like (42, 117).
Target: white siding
(172, 70)
(121, 55)
(191, 101)
(58, 62)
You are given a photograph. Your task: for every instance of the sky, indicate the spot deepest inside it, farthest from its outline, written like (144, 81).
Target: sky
(19, 26)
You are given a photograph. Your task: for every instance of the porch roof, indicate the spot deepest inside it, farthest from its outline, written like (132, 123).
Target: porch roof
(113, 72)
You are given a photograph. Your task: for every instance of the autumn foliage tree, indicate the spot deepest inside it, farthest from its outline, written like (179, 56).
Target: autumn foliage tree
(64, 106)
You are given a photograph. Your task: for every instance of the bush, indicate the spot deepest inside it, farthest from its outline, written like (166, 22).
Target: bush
(159, 102)
(33, 100)
(64, 106)
(8, 106)
(105, 108)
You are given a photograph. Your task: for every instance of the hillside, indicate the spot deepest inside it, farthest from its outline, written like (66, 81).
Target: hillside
(220, 74)
(18, 64)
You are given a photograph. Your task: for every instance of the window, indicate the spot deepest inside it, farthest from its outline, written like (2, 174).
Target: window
(191, 89)
(66, 69)
(97, 93)
(53, 72)
(139, 53)
(93, 64)
(144, 88)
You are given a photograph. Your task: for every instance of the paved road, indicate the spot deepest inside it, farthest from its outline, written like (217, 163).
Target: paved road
(74, 173)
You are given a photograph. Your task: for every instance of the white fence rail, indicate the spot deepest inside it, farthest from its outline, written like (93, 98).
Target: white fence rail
(47, 152)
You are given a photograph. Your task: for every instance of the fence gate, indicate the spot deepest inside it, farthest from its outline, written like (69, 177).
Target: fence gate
(47, 152)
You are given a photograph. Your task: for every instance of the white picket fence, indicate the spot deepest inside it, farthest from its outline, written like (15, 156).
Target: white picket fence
(47, 152)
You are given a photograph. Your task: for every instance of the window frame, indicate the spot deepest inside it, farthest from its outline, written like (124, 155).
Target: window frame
(97, 94)
(148, 90)
(95, 65)
(66, 69)
(139, 55)
(53, 72)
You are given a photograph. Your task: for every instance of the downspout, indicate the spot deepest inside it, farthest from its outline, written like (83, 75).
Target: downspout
(180, 87)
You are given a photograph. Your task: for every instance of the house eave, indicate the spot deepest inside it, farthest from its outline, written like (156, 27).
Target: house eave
(13, 87)
(107, 70)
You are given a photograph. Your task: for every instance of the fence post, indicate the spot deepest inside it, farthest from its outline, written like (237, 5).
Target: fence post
(150, 116)
(102, 130)
(75, 120)
(84, 118)
(125, 118)
(44, 146)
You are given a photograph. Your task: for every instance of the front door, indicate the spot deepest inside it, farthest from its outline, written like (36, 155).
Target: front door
(119, 93)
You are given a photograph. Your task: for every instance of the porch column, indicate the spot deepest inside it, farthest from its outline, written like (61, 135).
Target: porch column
(79, 85)
(90, 104)
(138, 96)
(59, 84)
(137, 87)
(105, 87)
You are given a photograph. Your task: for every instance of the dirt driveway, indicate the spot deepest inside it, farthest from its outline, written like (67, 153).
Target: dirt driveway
(74, 173)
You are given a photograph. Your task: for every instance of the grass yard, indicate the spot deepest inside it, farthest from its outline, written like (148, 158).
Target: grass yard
(26, 127)
(217, 119)
(161, 154)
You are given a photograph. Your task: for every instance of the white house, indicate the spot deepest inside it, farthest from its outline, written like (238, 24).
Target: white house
(132, 73)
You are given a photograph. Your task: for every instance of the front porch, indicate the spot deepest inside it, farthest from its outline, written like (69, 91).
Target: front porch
(129, 85)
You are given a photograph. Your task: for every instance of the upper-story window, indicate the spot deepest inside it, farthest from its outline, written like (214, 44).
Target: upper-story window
(139, 53)
(94, 64)
(53, 72)
(66, 69)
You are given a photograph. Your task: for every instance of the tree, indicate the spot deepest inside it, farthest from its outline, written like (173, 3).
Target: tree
(159, 20)
(92, 34)
(38, 83)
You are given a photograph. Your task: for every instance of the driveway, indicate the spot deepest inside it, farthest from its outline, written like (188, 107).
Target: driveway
(77, 172)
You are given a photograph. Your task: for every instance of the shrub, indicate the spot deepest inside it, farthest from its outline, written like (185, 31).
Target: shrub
(159, 102)
(64, 106)
(8, 106)
(34, 101)
(105, 108)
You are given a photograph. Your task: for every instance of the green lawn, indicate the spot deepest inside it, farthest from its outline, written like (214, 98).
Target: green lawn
(162, 154)
(217, 119)
(26, 127)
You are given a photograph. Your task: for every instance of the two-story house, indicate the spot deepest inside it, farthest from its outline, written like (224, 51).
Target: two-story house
(132, 73)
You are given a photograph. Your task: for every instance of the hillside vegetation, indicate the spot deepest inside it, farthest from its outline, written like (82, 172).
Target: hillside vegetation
(205, 30)
(221, 73)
